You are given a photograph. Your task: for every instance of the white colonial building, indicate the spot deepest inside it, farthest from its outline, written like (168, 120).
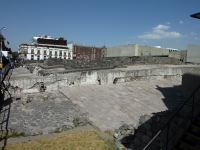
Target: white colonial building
(44, 47)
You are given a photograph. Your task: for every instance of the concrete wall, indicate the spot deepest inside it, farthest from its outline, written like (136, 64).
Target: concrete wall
(152, 51)
(193, 54)
(136, 50)
(180, 55)
(119, 51)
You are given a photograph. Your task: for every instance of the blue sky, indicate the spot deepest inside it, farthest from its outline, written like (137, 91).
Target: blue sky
(165, 23)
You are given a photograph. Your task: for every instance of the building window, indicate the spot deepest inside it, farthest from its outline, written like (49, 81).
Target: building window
(45, 57)
(56, 53)
(45, 52)
(69, 55)
(50, 53)
(32, 51)
(60, 53)
(32, 57)
(64, 53)
(38, 52)
(38, 57)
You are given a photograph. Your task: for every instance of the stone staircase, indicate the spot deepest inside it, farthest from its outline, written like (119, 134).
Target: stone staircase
(191, 139)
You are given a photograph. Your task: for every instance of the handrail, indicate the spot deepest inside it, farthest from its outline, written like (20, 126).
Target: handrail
(171, 118)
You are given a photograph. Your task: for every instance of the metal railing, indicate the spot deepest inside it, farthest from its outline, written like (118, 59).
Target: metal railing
(164, 132)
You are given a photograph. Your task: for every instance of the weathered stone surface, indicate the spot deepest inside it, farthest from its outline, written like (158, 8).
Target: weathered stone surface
(73, 98)
(110, 106)
(110, 62)
(24, 79)
(43, 113)
(107, 106)
(124, 130)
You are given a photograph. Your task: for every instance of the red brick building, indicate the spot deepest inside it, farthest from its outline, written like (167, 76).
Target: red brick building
(89, 53)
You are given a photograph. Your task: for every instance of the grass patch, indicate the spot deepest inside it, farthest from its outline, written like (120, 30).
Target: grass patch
(78, 140)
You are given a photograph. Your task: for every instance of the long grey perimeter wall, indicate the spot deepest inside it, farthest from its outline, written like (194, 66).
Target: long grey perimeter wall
(136, 50)
(151, 51)
(119, 51)
(193, 54)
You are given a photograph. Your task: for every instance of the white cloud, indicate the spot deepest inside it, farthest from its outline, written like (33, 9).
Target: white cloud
(161, 27)
(160, 32)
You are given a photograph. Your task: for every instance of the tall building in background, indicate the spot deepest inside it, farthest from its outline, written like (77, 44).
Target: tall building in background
(44, 47)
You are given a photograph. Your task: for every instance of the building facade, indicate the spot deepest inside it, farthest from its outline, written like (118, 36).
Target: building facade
(88, 53)
(193, 54)
(144, 50)
(178, 54)
(45, 47)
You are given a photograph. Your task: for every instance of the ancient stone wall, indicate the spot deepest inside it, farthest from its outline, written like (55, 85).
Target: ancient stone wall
(113, 76)
(109, 62)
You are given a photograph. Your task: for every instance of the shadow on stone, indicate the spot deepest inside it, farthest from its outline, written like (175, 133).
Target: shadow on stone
(178, 100)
